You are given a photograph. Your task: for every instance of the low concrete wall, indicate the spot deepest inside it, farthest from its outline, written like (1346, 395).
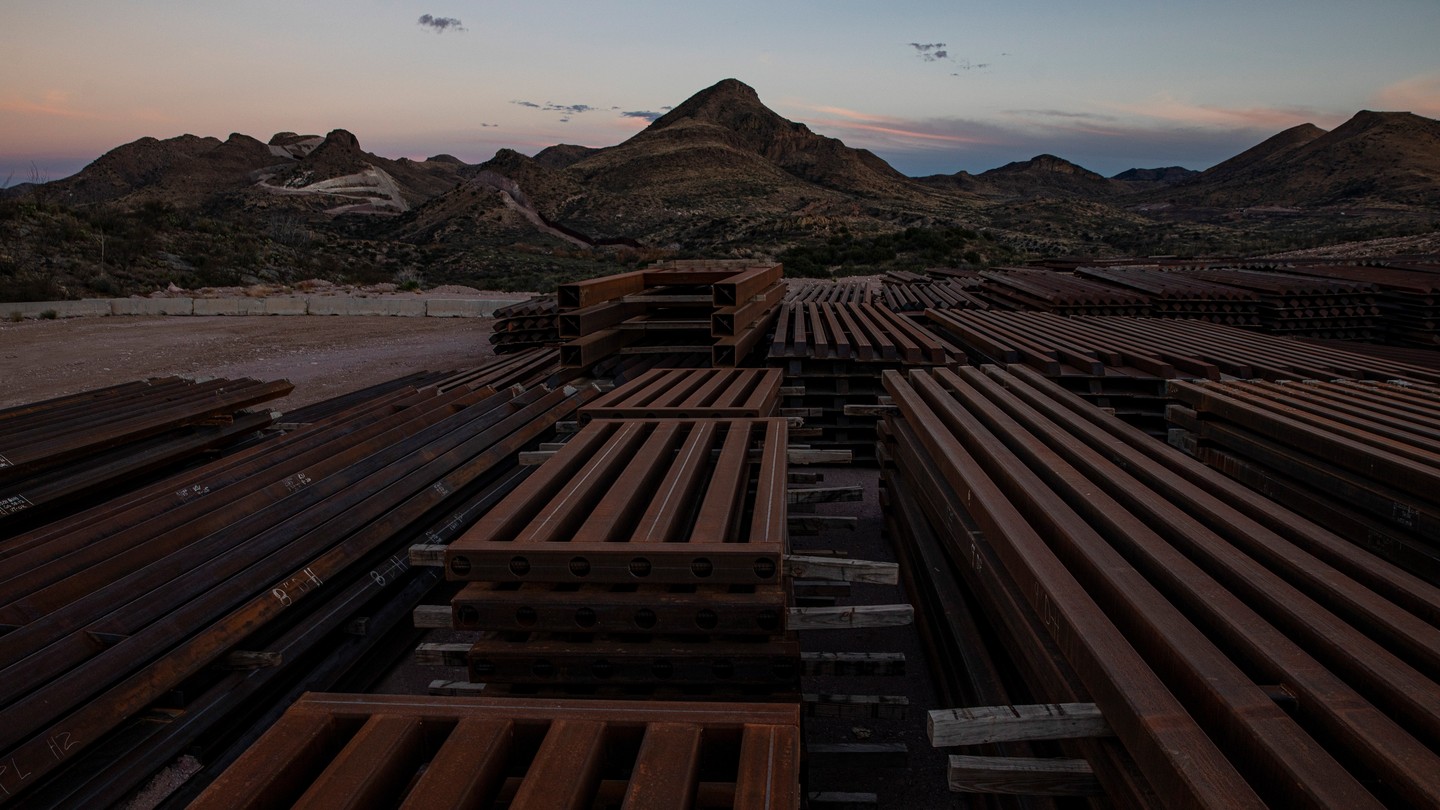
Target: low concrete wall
(152, 306)
(312, 305)
(89, 307)
(464, 307)
(286, 306)
(229, 306)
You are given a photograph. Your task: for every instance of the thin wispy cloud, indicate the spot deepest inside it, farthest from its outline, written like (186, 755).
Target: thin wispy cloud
(440, 24)
(54, 103)
(1418, 94)
(647, 115)
(1168, 108)
(1104, 143)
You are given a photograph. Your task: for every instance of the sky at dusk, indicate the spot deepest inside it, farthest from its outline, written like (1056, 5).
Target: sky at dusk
(931, 86)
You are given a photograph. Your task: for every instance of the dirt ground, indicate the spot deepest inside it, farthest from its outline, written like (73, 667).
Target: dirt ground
(321, 356)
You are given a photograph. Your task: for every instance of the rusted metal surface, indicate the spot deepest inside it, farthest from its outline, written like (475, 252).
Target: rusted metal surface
(1368, 449)
(380, 751)
(642, 501)
(1021, 288)
(773, 662)
(672, 609)
(1304, 304)
(526, 325)
(115, 608)
(698, 393)
(725, 307)
(855, 333)
(1177, 295)
(1207, 600)
(951, 293)
(43, 436)
(807, 291)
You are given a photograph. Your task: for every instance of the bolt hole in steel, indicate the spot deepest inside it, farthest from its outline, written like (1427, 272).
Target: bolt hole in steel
(722, 669)
(519, 566)
(645, 618)
(585, 617)
(579, 566)
(469, 615)
(764, 568)
(525, 617)
(705, 619)
(768, 620)
(702, 567)
(602, 669)
(542, 669)
(662, 669)
(483, 668)
(639, 567)
(460, 565)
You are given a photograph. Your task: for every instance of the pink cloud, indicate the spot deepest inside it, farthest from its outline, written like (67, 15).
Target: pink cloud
(1418, 94)
(54, 103)
(864, 126)
(897, 132)
(1167, 108)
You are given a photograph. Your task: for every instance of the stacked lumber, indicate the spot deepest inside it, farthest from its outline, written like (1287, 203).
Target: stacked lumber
(1359, 457)
(1304, 305)
(1177, 295)
(526, 325)
(147, 606)
(381, 751)
(832, 355)
(60, 452)
(1027, 289)
(722, 308)
(1125, 574)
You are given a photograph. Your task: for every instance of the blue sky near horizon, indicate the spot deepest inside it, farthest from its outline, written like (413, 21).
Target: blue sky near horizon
(932, 87)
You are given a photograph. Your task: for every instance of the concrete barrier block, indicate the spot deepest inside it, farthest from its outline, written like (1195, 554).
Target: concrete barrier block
(464, 307)
(229, 306)
(152, 306)
(286, 306)
(89, 307)
(328, 305)
(405, 307)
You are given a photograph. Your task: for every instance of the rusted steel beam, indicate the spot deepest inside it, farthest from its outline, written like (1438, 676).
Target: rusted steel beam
(691, 393)
(737, 610)
(1125, 528)
(1024, 637)
(1178, 758)
(228, 611)
(568, 754)
(733, 320)
(551, 530)
(658, 660)
(739, 288)
(579, 294)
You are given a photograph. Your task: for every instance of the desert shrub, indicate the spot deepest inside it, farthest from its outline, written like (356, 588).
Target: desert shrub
(49, 315)
(15, 317)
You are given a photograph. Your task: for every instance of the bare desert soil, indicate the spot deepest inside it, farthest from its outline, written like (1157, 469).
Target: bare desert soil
(321, 356)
